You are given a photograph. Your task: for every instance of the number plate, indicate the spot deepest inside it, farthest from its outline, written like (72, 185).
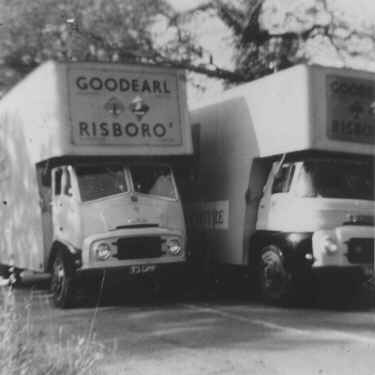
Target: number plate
(145, 268)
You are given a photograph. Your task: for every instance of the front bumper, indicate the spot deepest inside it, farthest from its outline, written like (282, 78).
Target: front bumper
(345, 246)
(90, 260)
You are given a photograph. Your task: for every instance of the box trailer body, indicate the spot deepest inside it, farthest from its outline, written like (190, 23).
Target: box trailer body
(256, 147)
(86, 152)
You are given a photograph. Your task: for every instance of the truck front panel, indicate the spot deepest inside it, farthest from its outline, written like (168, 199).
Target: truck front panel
(130, 214)
(330, 199)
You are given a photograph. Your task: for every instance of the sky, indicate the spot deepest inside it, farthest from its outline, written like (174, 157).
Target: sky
(213, 34)
(215, 39)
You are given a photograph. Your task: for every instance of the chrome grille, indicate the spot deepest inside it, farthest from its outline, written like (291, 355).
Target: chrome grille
(361, 250)
(138, 248)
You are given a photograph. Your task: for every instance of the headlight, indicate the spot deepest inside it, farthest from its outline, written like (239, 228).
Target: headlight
(357, 249)
(174, 247)
(330, 245)
(102, 250)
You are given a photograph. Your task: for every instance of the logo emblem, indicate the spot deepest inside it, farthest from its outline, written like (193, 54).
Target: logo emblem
(114, 107)
(139, 107)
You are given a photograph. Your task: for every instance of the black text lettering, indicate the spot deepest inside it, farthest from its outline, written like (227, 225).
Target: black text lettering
(83, 129)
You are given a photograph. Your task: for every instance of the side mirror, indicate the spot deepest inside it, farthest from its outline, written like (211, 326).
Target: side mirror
(277, 170)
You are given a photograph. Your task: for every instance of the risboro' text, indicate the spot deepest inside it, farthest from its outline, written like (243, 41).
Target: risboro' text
(117, 129)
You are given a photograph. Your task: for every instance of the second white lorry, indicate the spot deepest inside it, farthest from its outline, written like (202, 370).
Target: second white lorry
(284, 178)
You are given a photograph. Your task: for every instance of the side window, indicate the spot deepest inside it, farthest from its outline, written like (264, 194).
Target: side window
(58, 181)
(67, 183)
(45, 189)
(281, 183)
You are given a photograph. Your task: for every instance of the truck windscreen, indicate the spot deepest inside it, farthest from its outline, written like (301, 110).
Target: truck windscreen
(100, 181)
(336, 179)
(153, 180)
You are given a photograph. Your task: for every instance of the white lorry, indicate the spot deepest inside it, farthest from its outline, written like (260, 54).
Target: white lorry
(284, 178)
(86, 181)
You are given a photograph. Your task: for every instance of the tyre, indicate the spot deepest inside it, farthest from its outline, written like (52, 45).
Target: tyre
(4, 271)
(62, 280)
(274, 281)
(15, 276)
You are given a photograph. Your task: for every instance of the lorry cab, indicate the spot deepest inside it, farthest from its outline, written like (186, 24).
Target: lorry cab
(310, 194)
(117, 213)
(319, 212)
(113, 214)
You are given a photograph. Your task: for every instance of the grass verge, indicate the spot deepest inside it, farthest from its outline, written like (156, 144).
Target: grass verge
(24, 350)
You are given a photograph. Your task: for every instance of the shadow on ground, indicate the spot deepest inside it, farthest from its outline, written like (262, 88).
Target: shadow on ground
(109, 291)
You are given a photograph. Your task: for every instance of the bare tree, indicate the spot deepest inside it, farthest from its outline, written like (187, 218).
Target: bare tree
(261, 49)
(121, 31)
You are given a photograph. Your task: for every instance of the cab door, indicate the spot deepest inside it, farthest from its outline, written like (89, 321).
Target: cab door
(66, 218)
(276, 198)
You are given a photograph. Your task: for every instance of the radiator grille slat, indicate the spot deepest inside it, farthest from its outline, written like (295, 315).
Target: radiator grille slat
(139, 248)
(361, 250)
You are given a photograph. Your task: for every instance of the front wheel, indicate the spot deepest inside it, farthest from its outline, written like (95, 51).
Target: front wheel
(275, 281)
(62, 280)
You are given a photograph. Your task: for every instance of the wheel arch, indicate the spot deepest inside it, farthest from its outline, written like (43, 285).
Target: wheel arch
(293, 251)
(57, 247)
(258, 242)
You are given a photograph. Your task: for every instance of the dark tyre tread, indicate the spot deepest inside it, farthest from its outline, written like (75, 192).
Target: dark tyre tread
(62, 281)
(274, 280)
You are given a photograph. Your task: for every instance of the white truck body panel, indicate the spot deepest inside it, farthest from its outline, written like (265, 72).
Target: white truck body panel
(51, 116)
(295, 109)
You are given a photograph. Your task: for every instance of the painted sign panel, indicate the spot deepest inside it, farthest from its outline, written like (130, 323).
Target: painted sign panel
(209, 215)
(350, 109)
(124, 106)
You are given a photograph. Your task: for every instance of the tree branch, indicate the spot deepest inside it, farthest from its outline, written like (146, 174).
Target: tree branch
(216, 72)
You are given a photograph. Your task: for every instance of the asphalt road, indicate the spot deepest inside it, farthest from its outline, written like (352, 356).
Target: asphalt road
(215, 335)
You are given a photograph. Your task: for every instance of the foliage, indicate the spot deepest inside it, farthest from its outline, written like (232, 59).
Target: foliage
(86, 30)
(92, 30)
(25, 351)
(270, 35)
